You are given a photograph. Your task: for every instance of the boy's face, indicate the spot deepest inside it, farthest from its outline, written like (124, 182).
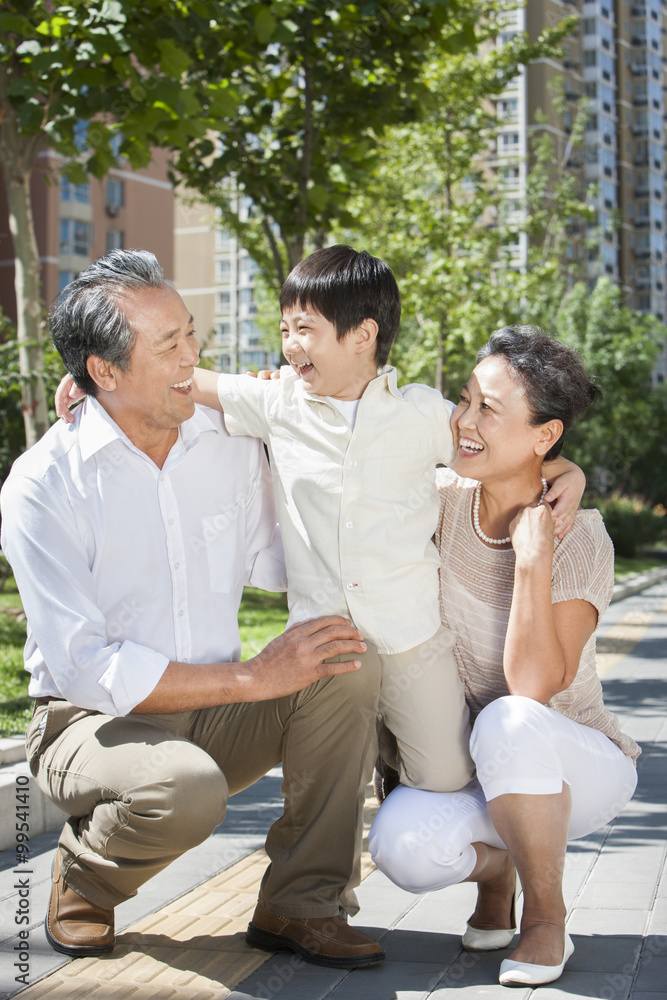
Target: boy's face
(327, 366)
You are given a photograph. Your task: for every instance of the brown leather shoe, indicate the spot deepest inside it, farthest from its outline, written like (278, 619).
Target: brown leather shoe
(74, 926)
(321, 940)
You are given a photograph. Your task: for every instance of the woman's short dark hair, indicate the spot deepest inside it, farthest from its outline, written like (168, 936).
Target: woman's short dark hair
(347, 286)
(87, 318)
(553, 377)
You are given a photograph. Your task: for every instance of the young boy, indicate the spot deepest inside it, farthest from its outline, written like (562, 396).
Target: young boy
(353, 460)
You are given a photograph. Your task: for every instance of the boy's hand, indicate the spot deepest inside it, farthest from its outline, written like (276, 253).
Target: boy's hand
(565, 494)
(264, 374)
(67, 394)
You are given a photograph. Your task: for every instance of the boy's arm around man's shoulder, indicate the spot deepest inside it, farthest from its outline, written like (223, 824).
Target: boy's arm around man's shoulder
(244, 401)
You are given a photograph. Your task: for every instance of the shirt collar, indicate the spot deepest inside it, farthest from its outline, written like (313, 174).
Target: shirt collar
(97, 429)
(386, 378)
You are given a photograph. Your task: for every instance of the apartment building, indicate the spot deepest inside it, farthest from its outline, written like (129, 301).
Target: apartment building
(614, 66)
(216, 277)
(77, 223)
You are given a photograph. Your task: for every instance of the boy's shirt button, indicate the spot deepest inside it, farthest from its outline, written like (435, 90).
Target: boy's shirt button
(351, 586)
(349, 524)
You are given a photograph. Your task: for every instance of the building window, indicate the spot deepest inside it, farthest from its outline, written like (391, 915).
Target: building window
(223, 269)
(590, 57)
(75, 237)
(115, 195)
(224, 331)
(509, 141)
(79, 193)
(224, 301)
(64, 279)
(114, 239)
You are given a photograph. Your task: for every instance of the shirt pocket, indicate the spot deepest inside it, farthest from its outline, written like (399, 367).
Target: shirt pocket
(224, 538)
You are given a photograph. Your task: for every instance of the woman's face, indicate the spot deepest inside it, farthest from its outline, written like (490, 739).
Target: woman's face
(493, 435)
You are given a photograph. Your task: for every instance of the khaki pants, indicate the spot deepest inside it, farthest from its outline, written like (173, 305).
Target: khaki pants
(422, 702)
(143, 789)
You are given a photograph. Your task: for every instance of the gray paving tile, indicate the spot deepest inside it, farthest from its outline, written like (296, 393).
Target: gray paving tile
(402, 945)
(288, 977)
(613, 922)
(602, 952)
(390, 981)
(585, 985)
(652, 974)
(612, 895)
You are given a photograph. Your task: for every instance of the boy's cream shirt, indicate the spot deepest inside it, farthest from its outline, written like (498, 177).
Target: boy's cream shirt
(357, 508)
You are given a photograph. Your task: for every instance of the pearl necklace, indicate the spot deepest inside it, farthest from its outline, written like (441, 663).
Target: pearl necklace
(475, 514)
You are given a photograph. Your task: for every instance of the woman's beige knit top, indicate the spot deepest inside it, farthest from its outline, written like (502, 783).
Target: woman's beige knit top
(476, 584)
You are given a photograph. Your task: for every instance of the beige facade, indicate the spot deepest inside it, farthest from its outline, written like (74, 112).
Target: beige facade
(216, 277)
(75, 224)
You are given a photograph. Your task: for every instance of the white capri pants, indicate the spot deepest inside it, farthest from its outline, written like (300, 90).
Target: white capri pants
(422, 840)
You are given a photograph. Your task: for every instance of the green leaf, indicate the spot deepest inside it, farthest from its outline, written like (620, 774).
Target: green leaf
(173, 60)
(265, 24)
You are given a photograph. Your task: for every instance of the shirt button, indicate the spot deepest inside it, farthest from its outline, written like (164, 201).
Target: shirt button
(185, 659)
(349, 524)
(351, 586)
(181, 613)
(353, 464)
(171, 522)
(177, 565)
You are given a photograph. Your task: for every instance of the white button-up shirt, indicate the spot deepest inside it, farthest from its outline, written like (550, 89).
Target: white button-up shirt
(357, 508)
(123, 566)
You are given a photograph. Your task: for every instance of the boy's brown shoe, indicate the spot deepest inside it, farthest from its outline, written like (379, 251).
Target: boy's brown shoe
(74, 926)
(321, 940)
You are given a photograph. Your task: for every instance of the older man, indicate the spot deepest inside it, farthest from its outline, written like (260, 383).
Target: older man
(131, 533)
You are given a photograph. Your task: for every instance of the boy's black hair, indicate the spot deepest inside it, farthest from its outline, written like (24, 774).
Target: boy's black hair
(347, 286)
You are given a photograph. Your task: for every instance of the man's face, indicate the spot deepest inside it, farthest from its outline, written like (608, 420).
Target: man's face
(154, 396)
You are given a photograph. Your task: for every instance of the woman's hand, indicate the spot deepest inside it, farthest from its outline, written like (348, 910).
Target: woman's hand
(532, 536)
(67, 394)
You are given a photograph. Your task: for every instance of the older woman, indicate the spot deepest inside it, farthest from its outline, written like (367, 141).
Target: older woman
(552, 763)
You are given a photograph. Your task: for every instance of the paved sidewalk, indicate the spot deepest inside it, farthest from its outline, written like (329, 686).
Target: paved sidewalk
(182, 937)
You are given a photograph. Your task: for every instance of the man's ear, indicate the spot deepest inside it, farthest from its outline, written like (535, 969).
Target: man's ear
(102, 372)
(550, 433)
(365, 336)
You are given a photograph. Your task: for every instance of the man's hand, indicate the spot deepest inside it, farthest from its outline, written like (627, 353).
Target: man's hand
(67, 394)
(264, 373)
(296, 658)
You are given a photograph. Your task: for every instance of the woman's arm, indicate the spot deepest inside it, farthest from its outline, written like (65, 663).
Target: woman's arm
(544, 641)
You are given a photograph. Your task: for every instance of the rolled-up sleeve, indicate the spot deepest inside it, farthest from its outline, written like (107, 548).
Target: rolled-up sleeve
(67, 630)
(244, 403)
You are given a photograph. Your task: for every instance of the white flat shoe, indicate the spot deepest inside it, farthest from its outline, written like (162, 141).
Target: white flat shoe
(477, 940)
(525, 974)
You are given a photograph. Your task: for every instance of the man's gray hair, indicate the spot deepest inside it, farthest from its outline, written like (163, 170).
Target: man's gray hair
(87, 318)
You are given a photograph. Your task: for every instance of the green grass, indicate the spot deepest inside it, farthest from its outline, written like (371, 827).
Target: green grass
(262, 617)
(625, 567)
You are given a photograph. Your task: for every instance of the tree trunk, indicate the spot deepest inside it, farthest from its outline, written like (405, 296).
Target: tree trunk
(26, 279)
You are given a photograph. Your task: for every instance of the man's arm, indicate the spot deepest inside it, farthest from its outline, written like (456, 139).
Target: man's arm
(567, 488)
(288, 664)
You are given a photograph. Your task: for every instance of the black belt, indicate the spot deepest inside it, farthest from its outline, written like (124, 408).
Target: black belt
(46, 699)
